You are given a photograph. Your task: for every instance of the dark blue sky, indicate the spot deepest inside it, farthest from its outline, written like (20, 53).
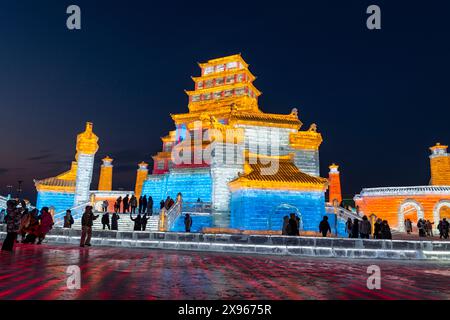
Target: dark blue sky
(379, 98)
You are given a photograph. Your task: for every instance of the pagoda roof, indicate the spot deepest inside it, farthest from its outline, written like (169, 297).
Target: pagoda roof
(226, 59)
(64, 182)
(270, 119)
(56, 182)
(260, 173)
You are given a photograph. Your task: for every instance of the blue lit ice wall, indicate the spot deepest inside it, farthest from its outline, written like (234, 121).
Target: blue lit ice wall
(59, 200)
(259, 209)
(192, 183)
(340, 225)
(155, 186)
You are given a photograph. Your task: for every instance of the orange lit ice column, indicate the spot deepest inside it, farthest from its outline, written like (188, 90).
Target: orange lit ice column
(106, 173)
(440, 165)
(141, 176)
(87, 146)
(334, 180)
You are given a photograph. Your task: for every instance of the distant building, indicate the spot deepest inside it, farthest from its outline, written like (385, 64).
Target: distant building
(396, 204)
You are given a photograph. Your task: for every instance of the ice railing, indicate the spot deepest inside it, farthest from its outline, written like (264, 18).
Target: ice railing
(181, 207)
(342, 212)
(3, 202)
(76, 211)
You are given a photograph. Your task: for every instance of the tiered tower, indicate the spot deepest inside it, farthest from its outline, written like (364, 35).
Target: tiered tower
(106, 174)
(440, 165)
(223, 125)
(87, 146)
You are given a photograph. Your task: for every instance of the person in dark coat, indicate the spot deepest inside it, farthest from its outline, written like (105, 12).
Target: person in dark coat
(150, 205)
(68, 219)
(348, 227)
(115, 221)
(365, 228)
(12, 220)
(421, 227)
(133, 203)
(144, 204)
(140, 204)
(126, 204)
(324, 226)
(137, 222)
(144, 221)
(187, 222)
(284, 230)
(105, 221)
(117, 204)
(87, 221)
(443, 228)
(161, 204)
(385, 230)
(355, 229)
(293, 226)
(377, 229)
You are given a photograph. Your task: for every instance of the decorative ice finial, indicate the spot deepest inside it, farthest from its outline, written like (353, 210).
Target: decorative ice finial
(87, 141)
(313, 128)
(294, 112)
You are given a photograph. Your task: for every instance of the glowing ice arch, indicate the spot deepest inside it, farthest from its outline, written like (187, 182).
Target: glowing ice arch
(288, 207)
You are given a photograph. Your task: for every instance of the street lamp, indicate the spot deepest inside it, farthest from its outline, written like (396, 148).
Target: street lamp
(9, 190)
(19, 189)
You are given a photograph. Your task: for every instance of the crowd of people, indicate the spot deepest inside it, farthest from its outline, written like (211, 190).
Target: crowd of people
(354, 228)
(363, 229)
(31, 225)
(130, 204)
(425, 228)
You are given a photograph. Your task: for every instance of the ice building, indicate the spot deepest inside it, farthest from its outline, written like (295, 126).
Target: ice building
(236, 166)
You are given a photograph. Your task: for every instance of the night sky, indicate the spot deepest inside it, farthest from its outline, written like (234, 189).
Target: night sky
(380, 98)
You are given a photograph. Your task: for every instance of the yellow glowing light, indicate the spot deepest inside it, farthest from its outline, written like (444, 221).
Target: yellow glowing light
(141, 176)
(306, 140)
(87, 141)
(106, 175)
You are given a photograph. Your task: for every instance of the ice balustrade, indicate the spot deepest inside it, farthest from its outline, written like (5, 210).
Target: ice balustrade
(169, 217)
(3, 202)
(342, 212)
(76, 211)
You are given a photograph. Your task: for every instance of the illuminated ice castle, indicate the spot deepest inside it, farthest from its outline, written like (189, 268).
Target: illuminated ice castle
(235, 166)
(250, 167)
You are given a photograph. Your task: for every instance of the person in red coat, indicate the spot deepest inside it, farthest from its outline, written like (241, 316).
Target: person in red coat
(46, 224)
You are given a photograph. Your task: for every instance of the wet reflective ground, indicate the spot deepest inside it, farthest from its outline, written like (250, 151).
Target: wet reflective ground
(39, 272)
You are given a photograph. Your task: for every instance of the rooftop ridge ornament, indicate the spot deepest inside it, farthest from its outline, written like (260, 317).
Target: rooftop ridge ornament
(294, 112)
(313, 127)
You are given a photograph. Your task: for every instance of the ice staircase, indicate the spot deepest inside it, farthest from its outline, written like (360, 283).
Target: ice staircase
(124, 223)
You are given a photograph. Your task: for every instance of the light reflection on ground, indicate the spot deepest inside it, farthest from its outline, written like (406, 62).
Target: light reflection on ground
(39, 272)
